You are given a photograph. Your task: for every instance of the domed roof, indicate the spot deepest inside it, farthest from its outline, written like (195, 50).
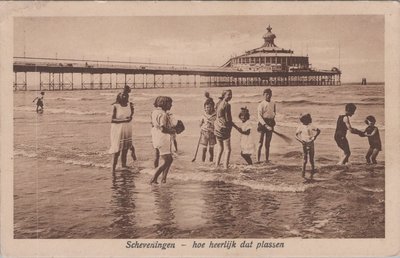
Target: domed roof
(269, 38)
(269, 35)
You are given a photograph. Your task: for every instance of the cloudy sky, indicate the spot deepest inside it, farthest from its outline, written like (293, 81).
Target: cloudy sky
(208, 40)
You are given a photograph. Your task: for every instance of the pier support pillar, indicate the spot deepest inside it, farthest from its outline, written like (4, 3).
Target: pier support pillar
(25, 82)
(40, 81)
(15, 81)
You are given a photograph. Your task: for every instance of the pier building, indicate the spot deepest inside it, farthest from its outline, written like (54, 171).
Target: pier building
(270, 58)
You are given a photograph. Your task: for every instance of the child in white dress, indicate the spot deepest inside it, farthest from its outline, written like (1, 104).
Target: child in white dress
(161, 137)
(246, 141)
(121, 130)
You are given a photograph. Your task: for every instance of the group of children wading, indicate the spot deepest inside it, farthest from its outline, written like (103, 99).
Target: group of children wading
(215, 129)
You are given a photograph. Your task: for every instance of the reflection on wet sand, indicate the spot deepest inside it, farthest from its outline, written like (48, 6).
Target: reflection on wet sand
(239, 213)
(123, 202)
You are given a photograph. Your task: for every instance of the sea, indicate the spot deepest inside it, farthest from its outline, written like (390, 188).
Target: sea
(64, 187)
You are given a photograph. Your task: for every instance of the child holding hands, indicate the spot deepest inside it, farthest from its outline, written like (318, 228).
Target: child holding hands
(374, 140)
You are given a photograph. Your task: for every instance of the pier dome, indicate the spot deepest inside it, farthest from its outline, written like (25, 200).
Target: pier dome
(268, 58)
(269, 38)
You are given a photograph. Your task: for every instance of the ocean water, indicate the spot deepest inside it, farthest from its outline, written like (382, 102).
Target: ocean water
(64, 187)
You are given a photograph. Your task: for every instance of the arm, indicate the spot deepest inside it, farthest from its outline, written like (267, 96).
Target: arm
(247, 132)
(228, 115)
(114, 115)
(259, 114)
(132, 109)
(168, 130)
(35, 99)
(269, 128)
(163, 124)
(316, 135)
(346, 120)
(201, 121)
(371, 134)
(298, 137)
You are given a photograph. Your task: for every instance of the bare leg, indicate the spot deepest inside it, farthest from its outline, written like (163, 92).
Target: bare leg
(260, 145)
(346, 157)
(203, 157)
(247, 158)
(227, 154)
(303, 171)
(124, 154)
(220, 151)
(133, 154)
(368, 156)
(211, 151)
(156, 157)
(312, 162)
(114, 161)
(268, 138)
(165, 162)
(165, 172)
(374, 155)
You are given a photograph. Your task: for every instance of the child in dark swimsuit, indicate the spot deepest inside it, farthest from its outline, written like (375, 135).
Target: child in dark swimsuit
(342, 125)
(374, 140)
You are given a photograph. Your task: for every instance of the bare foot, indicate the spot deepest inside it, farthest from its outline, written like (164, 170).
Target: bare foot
(153, 181)
(163, 181)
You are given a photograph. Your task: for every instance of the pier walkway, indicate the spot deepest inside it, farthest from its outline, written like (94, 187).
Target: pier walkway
(73, 74)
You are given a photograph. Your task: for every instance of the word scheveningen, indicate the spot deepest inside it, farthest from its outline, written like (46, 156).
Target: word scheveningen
(155, 245)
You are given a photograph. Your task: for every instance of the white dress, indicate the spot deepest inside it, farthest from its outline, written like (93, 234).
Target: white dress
(161, 141)
(246, 141)
(121, 133)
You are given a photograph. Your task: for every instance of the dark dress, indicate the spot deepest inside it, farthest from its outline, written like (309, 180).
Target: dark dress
(223, 122)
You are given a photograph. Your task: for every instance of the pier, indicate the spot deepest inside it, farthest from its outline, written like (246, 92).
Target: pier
(32, 73)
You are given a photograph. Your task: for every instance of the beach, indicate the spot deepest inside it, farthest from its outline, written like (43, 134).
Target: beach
(64, 187)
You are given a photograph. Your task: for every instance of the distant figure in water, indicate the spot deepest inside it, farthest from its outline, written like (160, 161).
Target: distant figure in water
(161, 137)
(223, 127)
(306, 134)
(121, 129)
(266, 112)
(246, 142)
(207, 136)
(342, 125)
(39, 102)
(374, 140)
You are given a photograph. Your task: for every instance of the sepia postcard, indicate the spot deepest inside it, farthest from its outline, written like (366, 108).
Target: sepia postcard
(200, 129)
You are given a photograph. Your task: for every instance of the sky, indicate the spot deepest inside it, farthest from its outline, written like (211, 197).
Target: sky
(208, 40)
